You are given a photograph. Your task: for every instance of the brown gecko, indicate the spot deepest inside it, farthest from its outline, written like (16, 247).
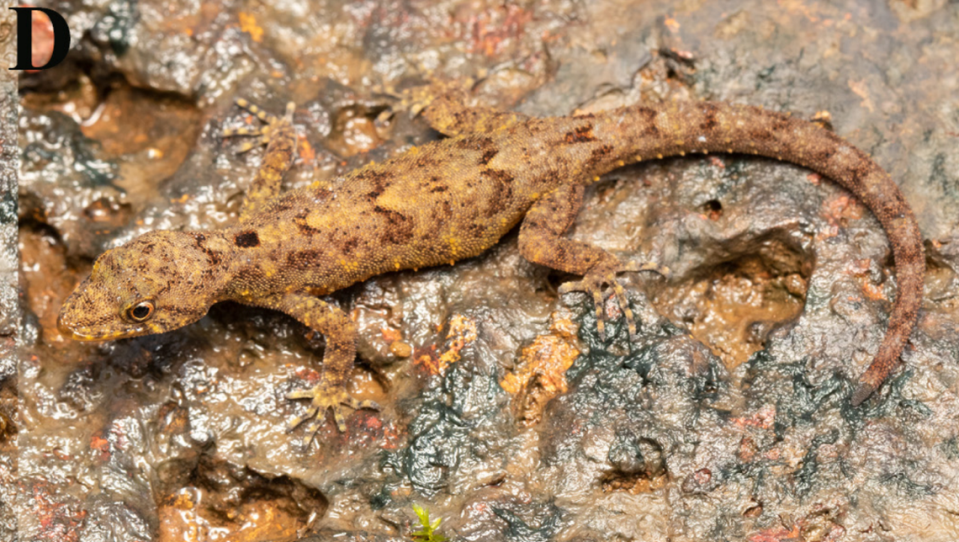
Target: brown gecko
(449, 200)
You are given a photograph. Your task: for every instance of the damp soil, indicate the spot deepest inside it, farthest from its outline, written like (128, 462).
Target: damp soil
(503, 412)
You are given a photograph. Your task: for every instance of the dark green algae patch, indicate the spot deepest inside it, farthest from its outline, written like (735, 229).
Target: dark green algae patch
(684, 434)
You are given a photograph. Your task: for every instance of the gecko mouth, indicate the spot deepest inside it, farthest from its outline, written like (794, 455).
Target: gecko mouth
(81, 333)
(72, 323)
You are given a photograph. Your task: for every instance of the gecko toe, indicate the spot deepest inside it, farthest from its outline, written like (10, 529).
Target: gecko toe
(327, 396)
(256, 110)
(263, 133)
(601, 283)
(310, 433)
(339, 418)
(295, 422)
(244, 131)
(636, 267)
(623, 302)
(356, 404)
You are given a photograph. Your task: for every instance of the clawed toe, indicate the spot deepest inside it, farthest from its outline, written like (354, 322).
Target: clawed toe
(636, 267)
(595, 282)
(262, 133)
(255, 109)
(326, 396)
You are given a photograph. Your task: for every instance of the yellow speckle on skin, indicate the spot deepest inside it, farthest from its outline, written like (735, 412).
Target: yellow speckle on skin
(268, 267)
(596, 179)
(317, 219)
(660, 156)
(413, 151)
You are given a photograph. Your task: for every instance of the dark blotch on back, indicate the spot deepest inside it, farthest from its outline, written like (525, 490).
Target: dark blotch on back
(647, 116)
(378, 180)
(486, 147)
(709, 117)
(598, 155)
(502, 193)
(582, 134)
(199, 239)
(399, 230)
(247, 239)
(303, 259)
(487, 156)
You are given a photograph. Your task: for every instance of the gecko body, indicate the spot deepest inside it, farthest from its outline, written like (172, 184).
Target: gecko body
(449, 200)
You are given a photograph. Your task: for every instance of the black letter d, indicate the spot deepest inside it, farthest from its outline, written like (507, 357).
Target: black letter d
(61, 38)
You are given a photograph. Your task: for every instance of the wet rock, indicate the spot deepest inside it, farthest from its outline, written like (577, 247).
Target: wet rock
(727, 417)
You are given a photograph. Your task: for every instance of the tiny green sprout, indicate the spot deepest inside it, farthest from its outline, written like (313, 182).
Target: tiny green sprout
(428, 531)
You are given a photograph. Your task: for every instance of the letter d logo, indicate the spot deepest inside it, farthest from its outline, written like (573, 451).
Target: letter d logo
(61, 38)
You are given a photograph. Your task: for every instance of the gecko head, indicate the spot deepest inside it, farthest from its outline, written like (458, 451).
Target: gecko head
(158, 282)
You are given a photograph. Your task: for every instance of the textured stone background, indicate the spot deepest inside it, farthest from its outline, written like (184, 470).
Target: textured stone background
(9, 313)
(730, 418)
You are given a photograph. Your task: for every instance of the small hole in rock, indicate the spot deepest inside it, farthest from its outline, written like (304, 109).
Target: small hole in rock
(713, 209)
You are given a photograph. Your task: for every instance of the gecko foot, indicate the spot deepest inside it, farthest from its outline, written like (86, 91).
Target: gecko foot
(265, 132)
(601, 277)
(326, 395)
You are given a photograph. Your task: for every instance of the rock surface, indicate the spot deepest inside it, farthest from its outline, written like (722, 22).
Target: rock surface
(504, 414)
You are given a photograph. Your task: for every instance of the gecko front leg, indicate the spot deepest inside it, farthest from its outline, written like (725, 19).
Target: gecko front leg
(340, 333)
(279, 136)
(541, 241)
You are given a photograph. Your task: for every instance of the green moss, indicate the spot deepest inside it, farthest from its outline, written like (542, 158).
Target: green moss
(427, 533)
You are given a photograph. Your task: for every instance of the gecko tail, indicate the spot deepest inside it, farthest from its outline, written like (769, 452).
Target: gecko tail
(678, 128)
(863, 391)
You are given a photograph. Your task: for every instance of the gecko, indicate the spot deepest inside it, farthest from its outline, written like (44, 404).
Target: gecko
(452, 199)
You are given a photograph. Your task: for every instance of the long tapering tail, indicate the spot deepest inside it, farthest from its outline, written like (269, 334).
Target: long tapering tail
(639, 133)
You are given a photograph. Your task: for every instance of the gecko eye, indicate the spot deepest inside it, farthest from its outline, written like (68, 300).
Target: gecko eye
(141, 312)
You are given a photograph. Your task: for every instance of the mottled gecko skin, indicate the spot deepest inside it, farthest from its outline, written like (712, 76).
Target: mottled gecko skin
(449, 200)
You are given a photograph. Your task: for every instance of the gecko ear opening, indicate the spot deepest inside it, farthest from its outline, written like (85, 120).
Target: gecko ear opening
(141, 311)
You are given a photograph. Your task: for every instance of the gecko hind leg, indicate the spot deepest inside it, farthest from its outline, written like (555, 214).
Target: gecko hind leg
(541, 241)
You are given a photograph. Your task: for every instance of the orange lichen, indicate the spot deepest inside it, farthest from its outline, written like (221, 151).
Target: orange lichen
(543, 368)
(548, 358)
(248, 25)
(462, 332)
